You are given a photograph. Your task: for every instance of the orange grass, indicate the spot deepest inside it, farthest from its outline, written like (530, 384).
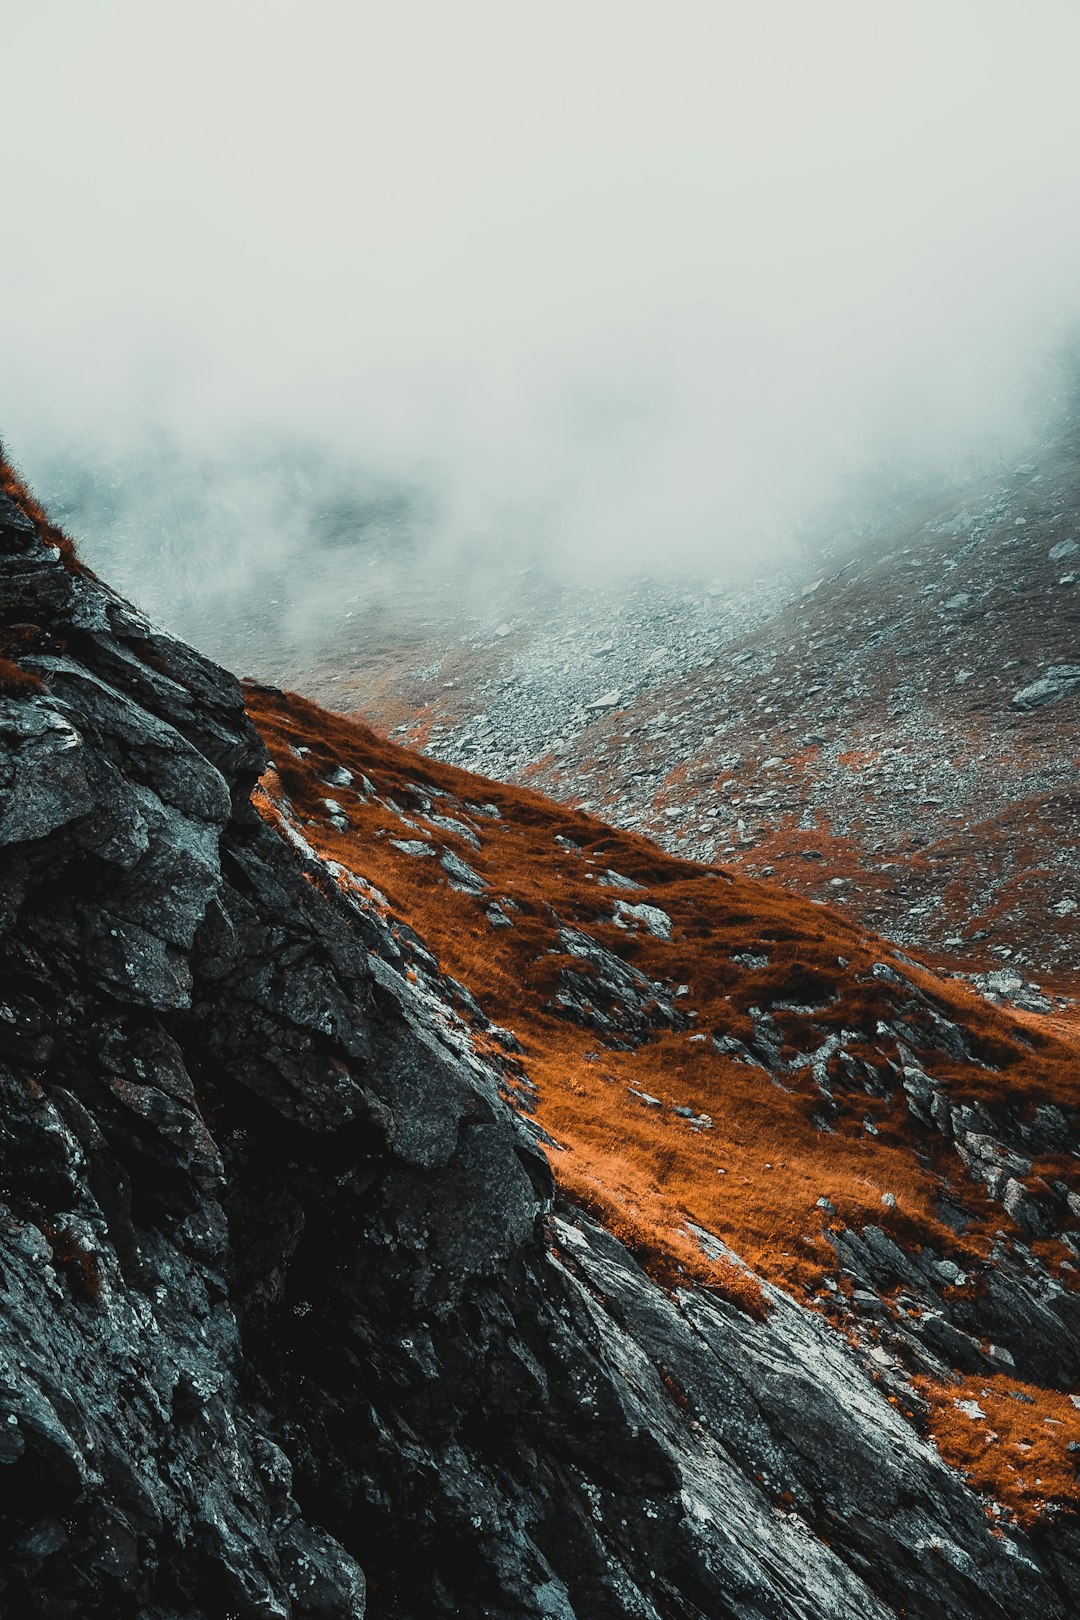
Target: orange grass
(14, 487)
(14, 679)
(853, 759)
(1018, 1453)
(755, 1177)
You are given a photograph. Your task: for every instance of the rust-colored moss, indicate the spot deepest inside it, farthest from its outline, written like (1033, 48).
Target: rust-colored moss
(1018, 1451)
(75, 1262)
(755, 1177)
(16, 681)
(13, 486)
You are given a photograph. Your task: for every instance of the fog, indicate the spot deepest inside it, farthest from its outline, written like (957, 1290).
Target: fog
(303, 300)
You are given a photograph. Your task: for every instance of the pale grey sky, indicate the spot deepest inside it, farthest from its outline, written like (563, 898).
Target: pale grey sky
(658, 269)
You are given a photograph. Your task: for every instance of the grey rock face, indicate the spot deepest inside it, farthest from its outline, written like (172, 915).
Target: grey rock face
(607, 994)
(44, 772)
(292, 1326)
(1057, 683)
(656, 921)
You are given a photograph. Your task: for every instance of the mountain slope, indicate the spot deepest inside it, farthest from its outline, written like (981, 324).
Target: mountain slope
(888, 723)
(899, 739)
(702, 1051)
(292, 1308)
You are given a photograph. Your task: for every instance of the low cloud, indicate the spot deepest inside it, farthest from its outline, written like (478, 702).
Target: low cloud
(310, 306)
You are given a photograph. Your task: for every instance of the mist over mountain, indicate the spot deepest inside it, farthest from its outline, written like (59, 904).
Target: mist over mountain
(272, 553)
(558, 1097)
(418, 1197)
(480, 291)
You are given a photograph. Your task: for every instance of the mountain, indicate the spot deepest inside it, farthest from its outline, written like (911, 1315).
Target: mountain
(900, 738)
(889, 723)
(418, 1198)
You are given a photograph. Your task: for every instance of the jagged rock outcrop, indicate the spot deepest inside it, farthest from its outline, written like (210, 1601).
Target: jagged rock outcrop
(290, 1310)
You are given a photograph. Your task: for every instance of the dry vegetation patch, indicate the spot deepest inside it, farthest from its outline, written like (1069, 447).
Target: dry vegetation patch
(660, 1130)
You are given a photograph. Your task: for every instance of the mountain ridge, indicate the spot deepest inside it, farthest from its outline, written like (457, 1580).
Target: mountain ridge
(294, 1310)
(884, 722)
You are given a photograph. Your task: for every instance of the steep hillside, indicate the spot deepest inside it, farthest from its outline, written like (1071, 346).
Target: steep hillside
(297, 1323)
(888, 723)
(714, 1066)
(901, 739)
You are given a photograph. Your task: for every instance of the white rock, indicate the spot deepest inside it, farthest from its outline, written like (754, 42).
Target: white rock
(656, 921)
(412, 846)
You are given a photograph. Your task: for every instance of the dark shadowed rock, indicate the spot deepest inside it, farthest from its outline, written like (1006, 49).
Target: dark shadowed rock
(292, 1323)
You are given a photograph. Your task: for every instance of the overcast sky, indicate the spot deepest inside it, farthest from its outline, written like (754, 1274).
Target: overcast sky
(656, 269)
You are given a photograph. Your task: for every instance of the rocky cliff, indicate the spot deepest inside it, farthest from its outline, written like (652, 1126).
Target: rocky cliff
(294, 1322)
